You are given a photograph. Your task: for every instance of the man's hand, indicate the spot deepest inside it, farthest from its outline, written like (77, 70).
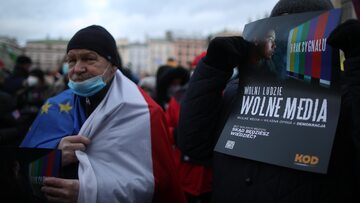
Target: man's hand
(69, 144)
(228, 52)
(60, 190)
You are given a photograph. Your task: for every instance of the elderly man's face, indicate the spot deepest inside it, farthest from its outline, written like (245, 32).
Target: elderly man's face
(85, 64)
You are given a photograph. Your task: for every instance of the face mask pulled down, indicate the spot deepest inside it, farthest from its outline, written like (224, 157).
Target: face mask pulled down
(88, 87)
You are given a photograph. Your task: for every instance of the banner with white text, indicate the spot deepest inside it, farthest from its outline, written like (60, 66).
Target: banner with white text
(288, 104)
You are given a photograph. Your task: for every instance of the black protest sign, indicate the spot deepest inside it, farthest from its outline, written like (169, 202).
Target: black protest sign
(288, 104)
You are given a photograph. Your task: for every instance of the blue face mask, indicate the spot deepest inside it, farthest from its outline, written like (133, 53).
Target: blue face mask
(88, 87)
(65, 68)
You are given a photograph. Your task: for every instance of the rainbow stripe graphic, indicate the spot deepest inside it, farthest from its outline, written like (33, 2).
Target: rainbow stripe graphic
(308, 56)
(48, 165)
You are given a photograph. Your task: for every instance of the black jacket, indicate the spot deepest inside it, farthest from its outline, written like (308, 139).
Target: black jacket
(204, 111)
(13, 124)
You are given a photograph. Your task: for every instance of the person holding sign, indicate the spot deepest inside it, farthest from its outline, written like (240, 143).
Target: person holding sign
(207, 104)
(346, 38)
(112, 135)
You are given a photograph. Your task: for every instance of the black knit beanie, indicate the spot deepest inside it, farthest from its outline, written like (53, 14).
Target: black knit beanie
(98, 39)
(299, 6)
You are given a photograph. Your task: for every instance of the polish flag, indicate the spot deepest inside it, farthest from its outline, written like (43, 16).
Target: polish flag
(129, 158)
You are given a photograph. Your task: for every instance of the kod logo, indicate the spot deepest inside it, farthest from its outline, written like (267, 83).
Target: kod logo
(306, 160)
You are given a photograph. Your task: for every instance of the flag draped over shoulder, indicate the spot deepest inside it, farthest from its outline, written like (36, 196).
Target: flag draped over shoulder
(60, 116)
(129, 157)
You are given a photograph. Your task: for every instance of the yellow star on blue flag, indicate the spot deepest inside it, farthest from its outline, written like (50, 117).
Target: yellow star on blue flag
(65, 107)
(50, 126)
(45, 107)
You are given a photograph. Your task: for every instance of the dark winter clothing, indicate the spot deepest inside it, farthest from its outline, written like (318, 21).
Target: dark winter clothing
(203, 114)
(164, 78)
(13, 124)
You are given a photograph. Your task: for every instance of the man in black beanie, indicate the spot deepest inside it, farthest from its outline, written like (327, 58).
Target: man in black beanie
(112, 135)
(205, 108)
(97, 39)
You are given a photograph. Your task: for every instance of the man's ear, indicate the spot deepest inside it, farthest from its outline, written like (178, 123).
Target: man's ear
(113, 69)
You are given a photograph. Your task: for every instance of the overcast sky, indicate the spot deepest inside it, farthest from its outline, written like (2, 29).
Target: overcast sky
(133, 19)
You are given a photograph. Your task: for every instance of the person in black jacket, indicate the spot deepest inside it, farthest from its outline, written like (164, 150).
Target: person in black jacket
(15, 81)
(207, 104)
(347, 140)
(168, 81)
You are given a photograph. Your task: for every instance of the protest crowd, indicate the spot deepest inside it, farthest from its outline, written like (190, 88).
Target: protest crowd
(127, 138)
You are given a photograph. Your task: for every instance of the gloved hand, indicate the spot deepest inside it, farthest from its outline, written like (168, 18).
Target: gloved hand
(347, 38)
(228, 52)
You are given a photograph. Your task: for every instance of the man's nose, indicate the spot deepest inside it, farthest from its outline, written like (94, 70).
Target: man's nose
(79, 67)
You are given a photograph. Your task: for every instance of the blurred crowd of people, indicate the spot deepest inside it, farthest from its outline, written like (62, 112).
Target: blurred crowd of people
(24, 90)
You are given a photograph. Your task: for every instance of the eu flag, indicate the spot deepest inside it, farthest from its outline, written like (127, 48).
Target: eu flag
(60, 116)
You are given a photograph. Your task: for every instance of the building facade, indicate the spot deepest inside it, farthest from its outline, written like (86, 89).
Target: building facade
(186, 49)
(160, 50)
(122, 46)
(48, 55)
(138, 58)
(9, 50)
